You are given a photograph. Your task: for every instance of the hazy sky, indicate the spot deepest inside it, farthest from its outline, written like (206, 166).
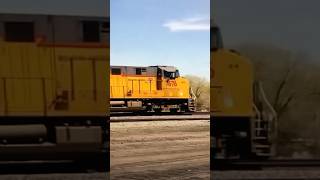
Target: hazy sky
(66, 7)
(292, 24)
(161, 32)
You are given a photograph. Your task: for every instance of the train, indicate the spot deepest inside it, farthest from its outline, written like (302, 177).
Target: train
(54, 89)
(243, 122)
(154, 89)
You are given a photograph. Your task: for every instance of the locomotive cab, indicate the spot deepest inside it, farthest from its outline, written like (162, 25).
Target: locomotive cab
(172, 79)
(168, 72)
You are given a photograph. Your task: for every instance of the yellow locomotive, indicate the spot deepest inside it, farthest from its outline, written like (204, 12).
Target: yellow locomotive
(53, 88)
(242, 119)
(149, 89)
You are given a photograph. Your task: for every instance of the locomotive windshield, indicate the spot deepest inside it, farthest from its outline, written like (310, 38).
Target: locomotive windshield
(171, 75)
(216, 38)
(168, 72)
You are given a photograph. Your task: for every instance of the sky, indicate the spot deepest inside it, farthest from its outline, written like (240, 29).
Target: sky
(162, 32)
(65, 7)
(290, 24)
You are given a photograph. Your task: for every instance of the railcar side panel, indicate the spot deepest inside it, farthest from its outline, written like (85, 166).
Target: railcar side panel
(33, 77)
(146, 87)
(54, 89)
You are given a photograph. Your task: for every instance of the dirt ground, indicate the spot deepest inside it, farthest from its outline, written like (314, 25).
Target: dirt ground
(160, 150)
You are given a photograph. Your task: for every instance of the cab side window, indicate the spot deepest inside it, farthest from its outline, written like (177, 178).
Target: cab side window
(141, 71)
(19, 31)
(116, 71)
(91, 31)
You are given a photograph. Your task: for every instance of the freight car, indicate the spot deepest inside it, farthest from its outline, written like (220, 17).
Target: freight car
(149, 89)
(242, 119)
(53, 89)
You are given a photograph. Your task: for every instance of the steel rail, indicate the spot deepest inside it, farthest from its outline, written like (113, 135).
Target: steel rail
(261, 164)
(159, 118)
(117, 114)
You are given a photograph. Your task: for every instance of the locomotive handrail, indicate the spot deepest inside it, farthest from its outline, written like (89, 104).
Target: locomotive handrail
(274, 113)
(258, 113)
(274, 117)
(193, 95)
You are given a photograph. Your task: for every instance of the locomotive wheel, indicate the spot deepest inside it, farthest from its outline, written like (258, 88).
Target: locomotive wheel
(99, 163)
(173, 110)
(157, 110)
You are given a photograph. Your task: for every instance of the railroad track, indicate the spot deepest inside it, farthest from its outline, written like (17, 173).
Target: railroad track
(262, 164)
(44, 167)
(119, 114)
(200, 116)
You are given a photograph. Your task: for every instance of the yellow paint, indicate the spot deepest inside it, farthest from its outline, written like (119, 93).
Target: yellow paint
(32, 78)
(231, 86)
(122, 87)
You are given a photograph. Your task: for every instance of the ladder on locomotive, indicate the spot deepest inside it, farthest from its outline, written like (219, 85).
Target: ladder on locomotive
(263, 124)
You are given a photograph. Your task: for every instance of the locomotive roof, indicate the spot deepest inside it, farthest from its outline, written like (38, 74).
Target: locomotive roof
(55, 15)
(167, 68)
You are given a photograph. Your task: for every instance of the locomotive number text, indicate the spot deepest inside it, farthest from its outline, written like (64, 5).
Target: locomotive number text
(172, 83)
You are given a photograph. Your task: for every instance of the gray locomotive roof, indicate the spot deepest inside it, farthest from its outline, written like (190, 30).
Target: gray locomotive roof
(167, 68)
(67, 28)
(54, 15)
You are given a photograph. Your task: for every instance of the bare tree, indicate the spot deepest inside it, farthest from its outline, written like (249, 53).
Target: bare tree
(201, 88)
(279, 70)
(289, 80)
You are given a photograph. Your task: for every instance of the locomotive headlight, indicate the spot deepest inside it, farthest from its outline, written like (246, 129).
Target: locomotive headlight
(180, 93)
(228, 100)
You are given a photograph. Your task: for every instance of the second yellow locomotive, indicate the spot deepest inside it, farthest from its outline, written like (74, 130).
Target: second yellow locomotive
(242, 119)
(153, 88)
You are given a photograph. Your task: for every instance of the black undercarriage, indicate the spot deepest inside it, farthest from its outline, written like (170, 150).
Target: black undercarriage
(152, 105)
